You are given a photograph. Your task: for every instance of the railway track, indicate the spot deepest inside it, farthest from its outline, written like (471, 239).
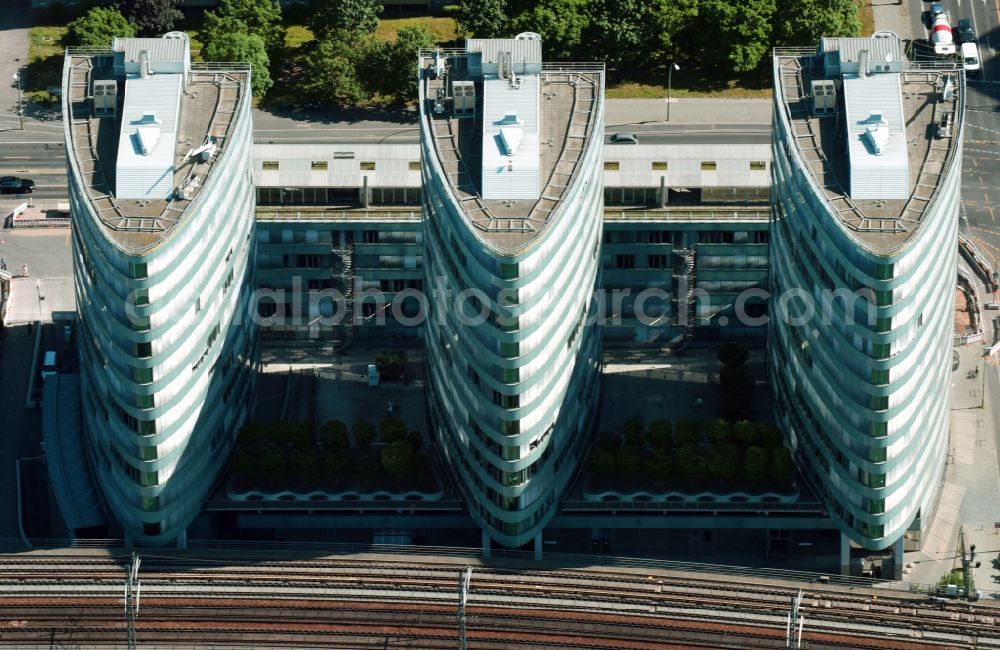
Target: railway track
(316, 603)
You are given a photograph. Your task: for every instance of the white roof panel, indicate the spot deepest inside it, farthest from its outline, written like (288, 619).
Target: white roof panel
(511, 172)
(149, 175)
(876, 102)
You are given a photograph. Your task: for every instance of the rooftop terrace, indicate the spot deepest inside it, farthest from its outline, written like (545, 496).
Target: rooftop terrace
(207, 108)
(932, 122)
(568, 104)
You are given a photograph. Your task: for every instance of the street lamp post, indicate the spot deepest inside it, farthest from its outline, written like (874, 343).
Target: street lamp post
(670, 83)
(20, 100)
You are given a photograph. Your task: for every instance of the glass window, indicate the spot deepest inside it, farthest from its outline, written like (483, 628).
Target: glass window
(319, 165)
(147, 427)
(142, 375)
(144, 350)
(879, 430)
(145, 401)
(270, 165)
(510, 375)
(611, 166)
(368, 166)
(509, 350)
(414, 165)
(758, 165)
(147, 453)
(150, 503)
(659, 165)
(148, 479)
(708, 165)
(508, 271)
(138, 271)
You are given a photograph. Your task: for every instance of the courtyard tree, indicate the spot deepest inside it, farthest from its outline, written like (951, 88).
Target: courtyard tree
(99, 27)
(804, 22)
(740, 31)
(756, 465)
(483, 18)
(333, 75)
(397, 66)
(259, 17)
(724, 460)
(247, 48)
(560, 23)
(343, 19)
(150, 17)
(364, 434)
(661, 434)
(397, 459)
(781, 464)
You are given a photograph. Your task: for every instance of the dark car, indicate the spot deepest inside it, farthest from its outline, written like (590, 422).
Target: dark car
(624, 138)
(15, 185)
(965, 32)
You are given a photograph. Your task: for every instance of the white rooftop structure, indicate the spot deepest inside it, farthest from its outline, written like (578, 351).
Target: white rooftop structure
(876, 137)
(148, 137)
(170, 54)
(510, 138)
(485, 54)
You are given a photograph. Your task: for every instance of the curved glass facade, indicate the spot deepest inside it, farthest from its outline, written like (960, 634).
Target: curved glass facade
(513, 346)
(860, 340)
(167, 348)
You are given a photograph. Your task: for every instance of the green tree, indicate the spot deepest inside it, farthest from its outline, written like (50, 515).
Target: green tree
(397, 77)
(559, 22)
(483, 18)
(150, 17)
(259, 17)
(633, 432)
(719, 430)
(756, 465)
(244, 48)
(804, 22)
(98, 27)
(391, 365)
(661, 434)
(628, 461)
(397, 459)
(724, 460)
(364, 434)
(333, 435)
(661, 465)
(636, 31)
(741, 29)
(745, 433)
(769, 436)
(689, 463)
(687, 432)
(333, 75)
(782, 467)
(345, 17)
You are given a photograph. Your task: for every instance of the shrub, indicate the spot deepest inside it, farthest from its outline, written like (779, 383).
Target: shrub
(687, 432)
(745, 433)
(689, 463)
(724, 460)
(333, 435)
(756, 464)
(397, 458)
(769, 435)
(719, 430)
(634, 433)
(781, 464)
(628, 461)
(364, 434)
(292, 434)
(661, 434)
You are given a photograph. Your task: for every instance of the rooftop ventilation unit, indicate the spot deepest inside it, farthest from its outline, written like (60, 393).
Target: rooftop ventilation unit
(824, 93)
(464, 93)
(105, 97)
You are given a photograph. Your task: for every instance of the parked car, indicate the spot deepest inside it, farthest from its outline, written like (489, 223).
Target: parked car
(624, 138)
(970, 59)
(15, 185)
(965, 32)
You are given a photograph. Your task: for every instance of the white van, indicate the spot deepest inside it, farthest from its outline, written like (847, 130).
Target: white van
(49, 368)
(970, 59)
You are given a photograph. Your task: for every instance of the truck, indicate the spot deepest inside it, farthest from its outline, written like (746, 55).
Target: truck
(941, 36)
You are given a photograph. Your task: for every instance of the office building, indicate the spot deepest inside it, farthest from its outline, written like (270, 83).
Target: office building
(511, 154)
(161, 195)
(867, 164)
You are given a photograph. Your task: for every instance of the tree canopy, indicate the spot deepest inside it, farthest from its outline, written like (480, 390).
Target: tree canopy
(483, 18)
(396, 70)
(247, 48)
(259, 17)
(346, 17)
(150, 17)
(98, 27)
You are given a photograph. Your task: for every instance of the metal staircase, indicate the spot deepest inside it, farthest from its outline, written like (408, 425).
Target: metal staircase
(344, 276)
(683, 289)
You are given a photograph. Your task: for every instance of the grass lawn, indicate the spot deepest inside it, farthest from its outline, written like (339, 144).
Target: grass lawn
(443, 29)
(45, 59)
(687, 82)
